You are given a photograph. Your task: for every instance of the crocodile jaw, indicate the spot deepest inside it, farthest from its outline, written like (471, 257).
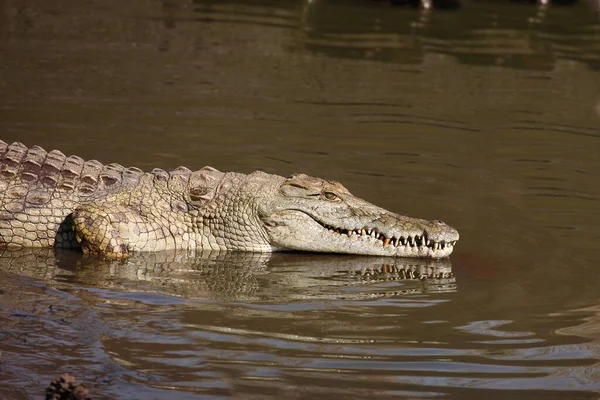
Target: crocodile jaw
(388, 235)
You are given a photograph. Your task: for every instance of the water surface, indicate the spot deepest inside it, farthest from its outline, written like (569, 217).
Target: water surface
(486, 117)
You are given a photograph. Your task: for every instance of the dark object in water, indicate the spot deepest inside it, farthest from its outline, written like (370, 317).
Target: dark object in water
(66, 387)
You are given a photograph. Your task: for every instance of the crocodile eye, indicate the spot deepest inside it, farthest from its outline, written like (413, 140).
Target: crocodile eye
(330, 196)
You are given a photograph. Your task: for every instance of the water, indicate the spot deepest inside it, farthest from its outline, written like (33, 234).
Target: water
(486, 117)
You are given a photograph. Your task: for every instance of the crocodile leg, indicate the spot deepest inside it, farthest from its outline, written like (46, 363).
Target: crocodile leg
(109, 229)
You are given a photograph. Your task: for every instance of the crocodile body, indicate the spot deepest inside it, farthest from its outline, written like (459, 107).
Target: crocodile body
(49, 199)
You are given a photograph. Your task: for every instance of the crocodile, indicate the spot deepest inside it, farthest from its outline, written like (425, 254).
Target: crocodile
(48, 199)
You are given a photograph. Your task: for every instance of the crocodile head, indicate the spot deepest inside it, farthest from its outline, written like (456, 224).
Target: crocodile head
(312, 214)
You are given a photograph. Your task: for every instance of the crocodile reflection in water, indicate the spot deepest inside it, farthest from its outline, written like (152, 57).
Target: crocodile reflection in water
(239, 276)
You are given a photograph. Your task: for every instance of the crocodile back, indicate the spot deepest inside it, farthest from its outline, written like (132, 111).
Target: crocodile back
(40, 189)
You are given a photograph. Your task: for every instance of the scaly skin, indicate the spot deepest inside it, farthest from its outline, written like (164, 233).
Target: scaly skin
(48, 199)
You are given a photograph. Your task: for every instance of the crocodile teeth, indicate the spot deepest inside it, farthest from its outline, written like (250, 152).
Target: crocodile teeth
(416, 241)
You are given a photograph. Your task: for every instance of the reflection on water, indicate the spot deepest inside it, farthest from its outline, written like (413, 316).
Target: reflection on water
(487, 116)
(231, 324)
(238, 276)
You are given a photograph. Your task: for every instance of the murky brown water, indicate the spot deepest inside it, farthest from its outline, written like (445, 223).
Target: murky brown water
(487, 117)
